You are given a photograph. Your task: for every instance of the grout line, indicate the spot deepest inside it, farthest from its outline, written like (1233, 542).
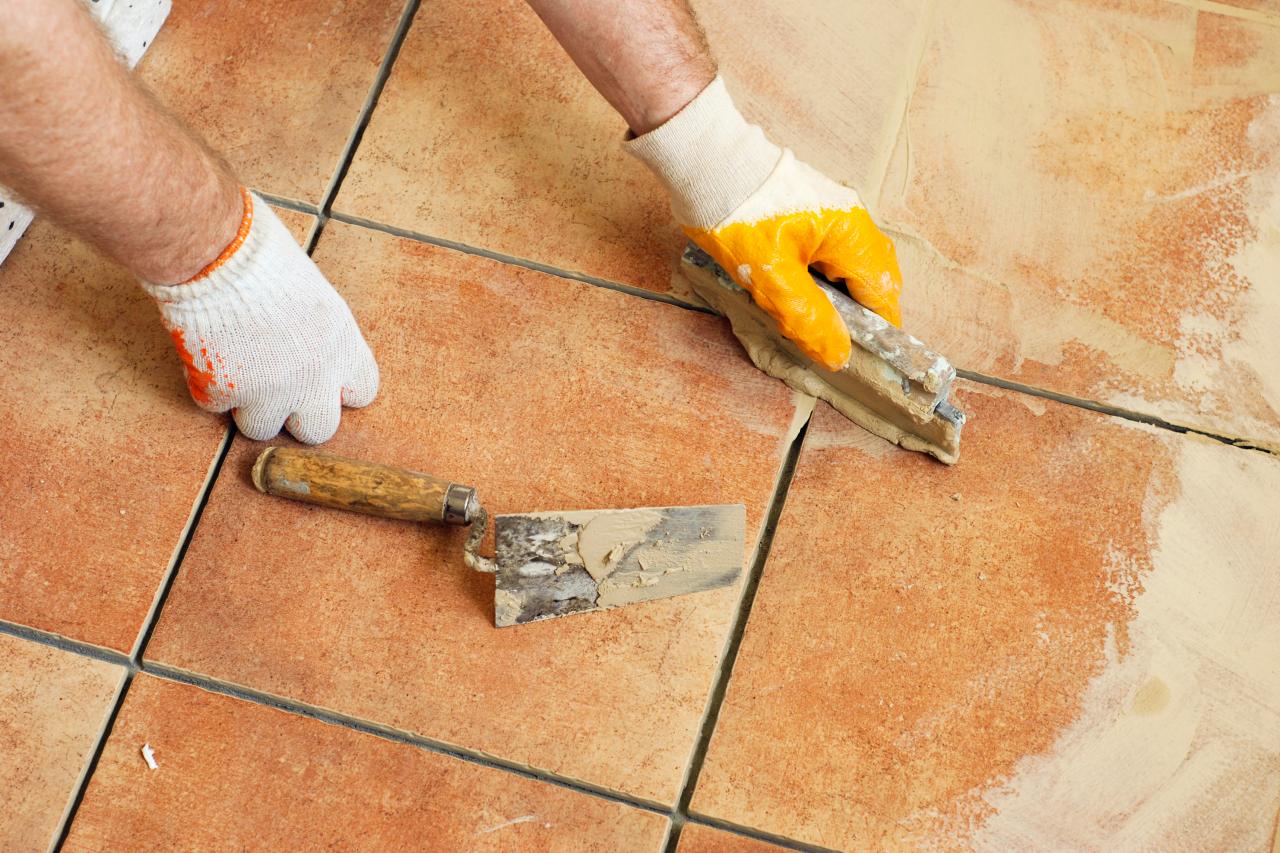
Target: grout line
(64, 822)
(287, 203)
(82, 785)
(66, 644)
(725, 672)
(184, 542)
(760, 835)
(313, 236)
(1114, 411)
(536, 266)
(512, 260)
(335, 718)
(370, 103)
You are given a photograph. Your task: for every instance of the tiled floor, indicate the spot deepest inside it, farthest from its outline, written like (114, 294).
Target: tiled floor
(275, 87)
(55, 705)
(403, 633)
(1067, 641)
(521, 156)
(232, 774)
(1078, 651)
(1109, 213)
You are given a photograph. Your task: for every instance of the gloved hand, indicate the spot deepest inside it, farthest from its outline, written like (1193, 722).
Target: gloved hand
(765, 217)
(262, 333)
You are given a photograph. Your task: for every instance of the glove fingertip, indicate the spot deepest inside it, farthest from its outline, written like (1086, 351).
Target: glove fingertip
(257, 425)
(315, 425)
(360, 392)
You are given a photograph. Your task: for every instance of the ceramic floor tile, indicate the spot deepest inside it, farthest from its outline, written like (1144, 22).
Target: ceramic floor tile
(299, 224)
(105, 453)
(545, 394)
(275, 87)
(53, 705)
(1067, 641)
(695, 838)
(1113, 204)
(487, 134)
(236, 775)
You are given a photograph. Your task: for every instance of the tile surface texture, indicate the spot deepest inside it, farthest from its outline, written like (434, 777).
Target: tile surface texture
(489, 135)
(275, 87)
(236, 775)
(702, 839)
(1095, 186)
(53, 705)
(105, 452)
(545, 394)
(1067, 641)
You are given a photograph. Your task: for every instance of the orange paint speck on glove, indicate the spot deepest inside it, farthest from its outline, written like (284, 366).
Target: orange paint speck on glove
(766, 218)
(261, 333)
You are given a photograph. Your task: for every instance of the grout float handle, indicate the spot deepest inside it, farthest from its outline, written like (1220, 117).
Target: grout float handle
(336, 481)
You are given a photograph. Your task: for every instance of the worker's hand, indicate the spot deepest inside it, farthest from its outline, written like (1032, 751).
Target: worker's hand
(263, 334)
(766, 218)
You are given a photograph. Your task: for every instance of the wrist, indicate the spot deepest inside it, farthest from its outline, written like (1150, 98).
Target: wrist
(708, 157)
(229, 247)
(236, 265)
(210, 238)
(646, 111)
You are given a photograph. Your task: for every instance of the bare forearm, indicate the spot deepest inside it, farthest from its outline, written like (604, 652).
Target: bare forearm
(648, 58)
(84, 144)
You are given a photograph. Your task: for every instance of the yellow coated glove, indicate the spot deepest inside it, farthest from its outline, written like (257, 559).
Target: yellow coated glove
(765, 217)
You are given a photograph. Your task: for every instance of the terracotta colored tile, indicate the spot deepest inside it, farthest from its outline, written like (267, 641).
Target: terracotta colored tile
(299, 224)
(275, 87)
(1064, 642)
(105, 453)
(236, 775)
(1113, 202)
(53, 705)
(695, 838)
(487, 134)
(545, 394)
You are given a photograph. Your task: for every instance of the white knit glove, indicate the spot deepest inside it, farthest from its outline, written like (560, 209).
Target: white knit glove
(262, 333)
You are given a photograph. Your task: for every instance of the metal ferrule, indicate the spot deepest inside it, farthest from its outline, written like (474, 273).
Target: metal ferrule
(460, 504)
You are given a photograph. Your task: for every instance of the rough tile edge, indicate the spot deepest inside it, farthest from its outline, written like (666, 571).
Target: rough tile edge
(348, 154)
(91, 761)
(755, 834)
(794, 444)
(66, 644)
(1260, 446)
(148, 626)
(512, 260)
(191, 678)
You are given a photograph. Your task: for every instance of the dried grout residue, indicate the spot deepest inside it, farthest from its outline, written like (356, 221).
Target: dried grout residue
(1178, 742)
(955, 660)
(1108, 212)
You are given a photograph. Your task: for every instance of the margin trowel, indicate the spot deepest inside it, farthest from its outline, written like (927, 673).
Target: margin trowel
(546, 564)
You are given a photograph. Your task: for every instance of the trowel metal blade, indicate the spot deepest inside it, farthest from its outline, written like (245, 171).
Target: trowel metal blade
(556, 563)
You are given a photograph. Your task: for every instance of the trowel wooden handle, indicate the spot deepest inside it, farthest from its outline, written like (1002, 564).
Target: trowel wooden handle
(335, 481)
